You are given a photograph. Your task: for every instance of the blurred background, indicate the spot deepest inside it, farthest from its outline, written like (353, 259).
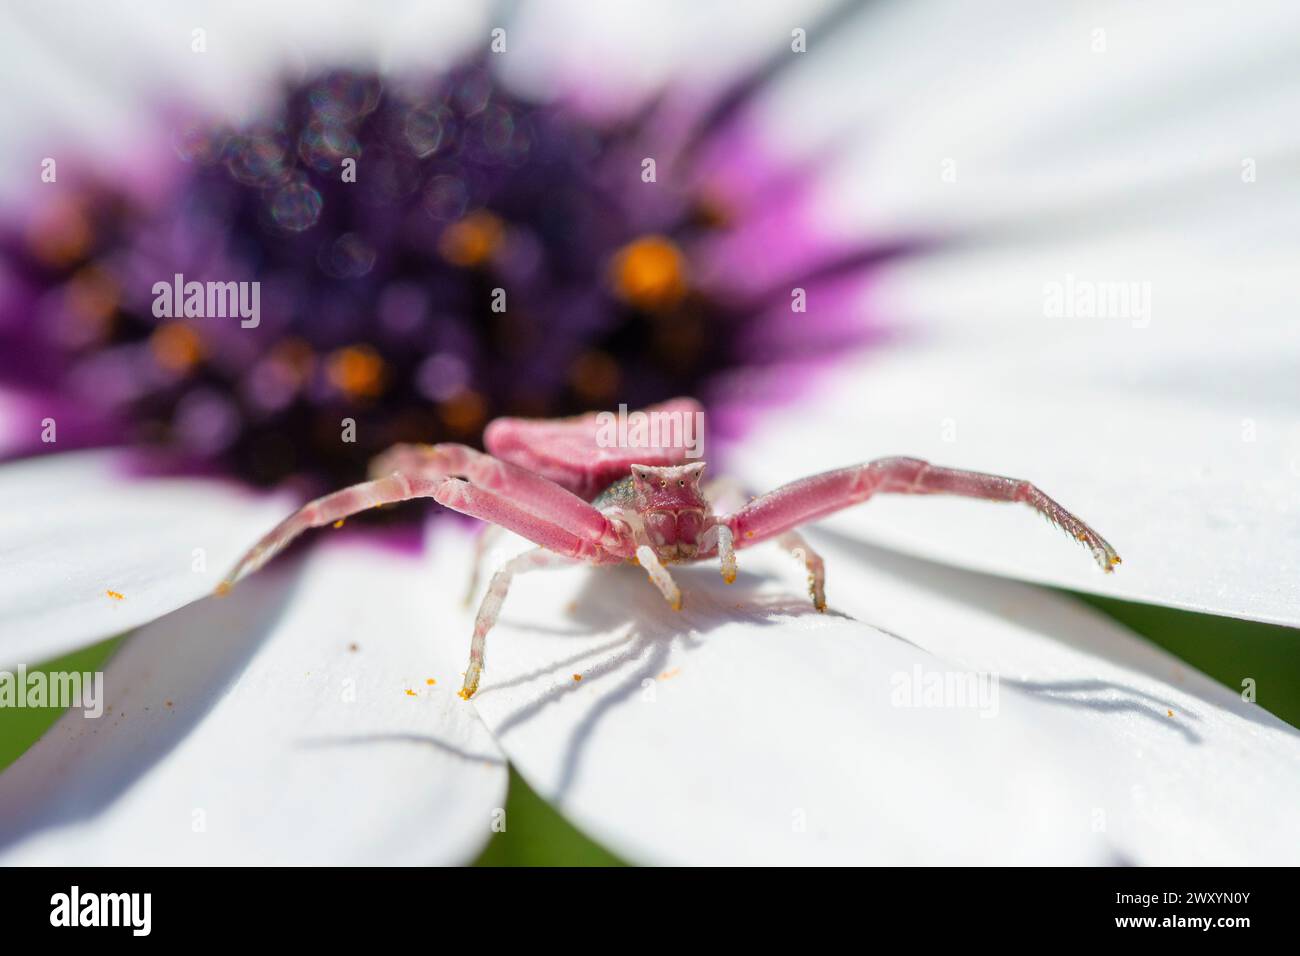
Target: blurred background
(902, 222)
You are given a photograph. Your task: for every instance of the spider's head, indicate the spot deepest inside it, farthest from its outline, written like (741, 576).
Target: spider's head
(673, 508)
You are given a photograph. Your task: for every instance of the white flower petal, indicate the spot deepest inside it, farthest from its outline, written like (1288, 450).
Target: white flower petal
(615, 56)
(1177, 768)
(748, 728)
(78, 529)
(96, 76)
(253, 717)
(1200, 505)
(1039, 119)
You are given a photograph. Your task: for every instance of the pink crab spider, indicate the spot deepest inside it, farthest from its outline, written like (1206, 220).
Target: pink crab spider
(551, 482)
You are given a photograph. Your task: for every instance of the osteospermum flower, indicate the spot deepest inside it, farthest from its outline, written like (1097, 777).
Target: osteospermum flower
(746, 728)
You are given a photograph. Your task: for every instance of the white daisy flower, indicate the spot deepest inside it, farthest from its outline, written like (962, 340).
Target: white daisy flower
(1043, 243)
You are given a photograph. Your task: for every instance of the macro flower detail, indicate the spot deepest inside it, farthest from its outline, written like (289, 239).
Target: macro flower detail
(372, 263)
(249, 255)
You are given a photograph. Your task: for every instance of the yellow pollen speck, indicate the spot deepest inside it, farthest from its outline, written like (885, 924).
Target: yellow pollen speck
(1170, 713)
(749, 534)
(116, 596)
(223, 589)
(670, 674)
(430, 681)
(463, 694)
(339, 523)
(577, 677)
(409, 692)
(357, 371)
(650, 273)
(677, 604)
(472, 240)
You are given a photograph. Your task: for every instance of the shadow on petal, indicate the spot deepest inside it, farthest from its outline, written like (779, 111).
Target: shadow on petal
(1071, 624)
(197, 669)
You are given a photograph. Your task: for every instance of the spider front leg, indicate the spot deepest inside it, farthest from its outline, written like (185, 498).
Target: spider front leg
(497, 492)
(794, 542)
(330, 509)
(481, 546)
(781, 511)
(498, 587)
(659, 576)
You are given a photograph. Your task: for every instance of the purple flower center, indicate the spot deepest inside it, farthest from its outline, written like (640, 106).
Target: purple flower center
(363, 266)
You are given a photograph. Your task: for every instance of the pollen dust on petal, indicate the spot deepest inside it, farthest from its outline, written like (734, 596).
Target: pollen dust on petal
(577, 677)
(339, 523)
(115, 595)
(1169, 713)
(430, 681)
(670, 674)
(410, 693)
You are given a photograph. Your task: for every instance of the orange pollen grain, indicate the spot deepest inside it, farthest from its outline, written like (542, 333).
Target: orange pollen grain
(472, 240)
(430, 681)
(93, 295)
(650, 273)
(464, 412)
(175, 347)
(410, 693)
(61, 235)
(577, 677)
(357, 371)
(595, 375)
(339, 523)
(115, 595)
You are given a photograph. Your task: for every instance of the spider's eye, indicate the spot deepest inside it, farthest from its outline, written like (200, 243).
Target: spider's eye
(681, 484)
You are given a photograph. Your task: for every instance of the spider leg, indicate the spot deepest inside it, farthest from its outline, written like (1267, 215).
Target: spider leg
(329, 509)
(484, 541)
(726, 546)
(794, 542)
(814, 497)
(512, 497)
(659, 576)
(532, 560)
(528, 489)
